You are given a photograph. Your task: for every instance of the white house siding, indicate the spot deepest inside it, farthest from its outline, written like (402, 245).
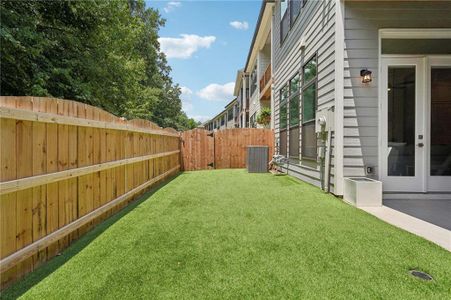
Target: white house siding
(316, 26)
(362, 22)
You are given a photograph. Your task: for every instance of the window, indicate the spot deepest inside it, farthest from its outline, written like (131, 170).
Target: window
(295, 9)
(222, 120)
(416, 46)
(283, 120)
(284, 20)
(289, 12)
(253, 121)
(283, 8)
(294, 117)
(230, 114)
(309, 88)
(283, 107)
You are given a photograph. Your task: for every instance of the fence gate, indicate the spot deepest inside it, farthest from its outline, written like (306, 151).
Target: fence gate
(222, 149)
(197, 150)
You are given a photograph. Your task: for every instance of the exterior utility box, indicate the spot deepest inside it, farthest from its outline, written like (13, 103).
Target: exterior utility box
(257, 159)
(362, 191)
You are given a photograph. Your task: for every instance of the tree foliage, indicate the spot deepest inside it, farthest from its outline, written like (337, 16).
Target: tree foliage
(104, 53)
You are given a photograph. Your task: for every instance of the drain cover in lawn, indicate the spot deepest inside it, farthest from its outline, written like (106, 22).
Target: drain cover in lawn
(421, 275)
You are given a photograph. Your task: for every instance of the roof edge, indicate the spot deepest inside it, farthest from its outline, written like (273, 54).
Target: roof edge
(259, 20)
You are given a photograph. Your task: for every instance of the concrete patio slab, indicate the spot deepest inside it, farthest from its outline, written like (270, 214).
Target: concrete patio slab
(435, 211)
(431, 232)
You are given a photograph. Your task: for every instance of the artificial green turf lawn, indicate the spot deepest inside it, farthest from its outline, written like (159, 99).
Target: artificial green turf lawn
(229, 234)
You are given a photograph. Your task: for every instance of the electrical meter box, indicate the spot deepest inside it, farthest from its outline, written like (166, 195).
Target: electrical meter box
(325, 120)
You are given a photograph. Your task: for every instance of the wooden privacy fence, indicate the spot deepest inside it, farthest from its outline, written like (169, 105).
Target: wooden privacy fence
(222, 149)
(66, 166)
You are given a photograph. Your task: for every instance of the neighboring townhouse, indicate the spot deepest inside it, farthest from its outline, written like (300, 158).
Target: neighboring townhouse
(232, 120)
(363, 88)
(241, 92)
(226, 119)
(253, 85)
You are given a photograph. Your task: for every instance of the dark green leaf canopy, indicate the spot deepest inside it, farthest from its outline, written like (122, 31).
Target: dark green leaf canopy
(104, 53)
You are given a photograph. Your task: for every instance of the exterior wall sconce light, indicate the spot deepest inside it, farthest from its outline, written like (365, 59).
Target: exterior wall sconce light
(366, 76)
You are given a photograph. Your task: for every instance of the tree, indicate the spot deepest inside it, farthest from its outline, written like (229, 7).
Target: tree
(104, 53)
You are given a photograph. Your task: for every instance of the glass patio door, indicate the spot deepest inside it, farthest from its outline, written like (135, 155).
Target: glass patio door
(439, 124)
(403, 124)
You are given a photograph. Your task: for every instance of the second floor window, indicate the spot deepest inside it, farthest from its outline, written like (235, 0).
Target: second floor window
(289, 13)
(230, 114)
(295, 9)
(254, 80)
(284, 20)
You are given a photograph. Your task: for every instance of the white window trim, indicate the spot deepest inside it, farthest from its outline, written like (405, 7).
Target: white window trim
(414, 33)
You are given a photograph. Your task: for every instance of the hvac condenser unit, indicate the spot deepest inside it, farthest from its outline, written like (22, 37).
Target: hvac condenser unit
(257, 159)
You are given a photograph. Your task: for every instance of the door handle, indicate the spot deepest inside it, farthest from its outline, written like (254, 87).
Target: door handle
(421, 145)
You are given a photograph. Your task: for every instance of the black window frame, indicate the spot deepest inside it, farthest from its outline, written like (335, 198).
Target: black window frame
(253, 81)
(230, 114)
(283, 104)
(286, 15)
(311, 122)
(293, 18)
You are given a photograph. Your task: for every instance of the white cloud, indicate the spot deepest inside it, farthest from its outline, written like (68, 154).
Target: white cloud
(171, 6)
(217, 92)
(240, 25)
(185, 46)
(186, 91)
(185, 96)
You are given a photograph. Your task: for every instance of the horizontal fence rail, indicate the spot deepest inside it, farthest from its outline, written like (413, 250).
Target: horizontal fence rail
(65, 167)
(28, 182)
(41, 244)
(18, 114)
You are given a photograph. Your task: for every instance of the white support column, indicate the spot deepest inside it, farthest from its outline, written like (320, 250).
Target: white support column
(339, 96)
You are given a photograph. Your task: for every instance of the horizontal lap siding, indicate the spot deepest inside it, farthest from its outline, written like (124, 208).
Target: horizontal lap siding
(316, 25)
(254, 105)
(362, 22)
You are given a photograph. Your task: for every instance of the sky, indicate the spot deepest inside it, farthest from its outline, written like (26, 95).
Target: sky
(206, 43)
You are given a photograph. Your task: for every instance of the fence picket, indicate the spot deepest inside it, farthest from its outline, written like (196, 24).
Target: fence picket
(227, 148)
(46, 145)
